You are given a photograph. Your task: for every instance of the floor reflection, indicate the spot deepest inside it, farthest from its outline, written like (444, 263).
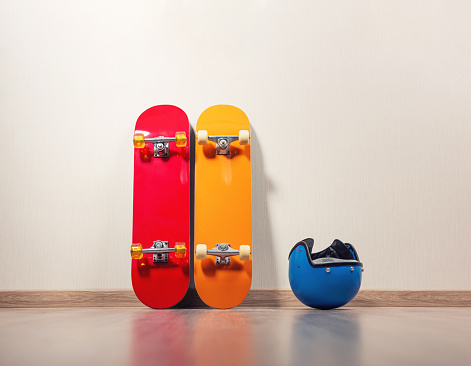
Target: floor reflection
(239, 337)
(222, 338)
(326, 338)
(125, 336)
(160, 338)
(193, 337)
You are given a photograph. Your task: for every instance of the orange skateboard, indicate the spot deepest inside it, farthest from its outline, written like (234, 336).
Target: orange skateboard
(223, 207)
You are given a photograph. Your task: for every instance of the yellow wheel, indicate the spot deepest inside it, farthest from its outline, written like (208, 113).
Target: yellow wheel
(201, 251)
(244, 252)
(202, 137)
(180, 139)
(138, 140)
(136, 251)
(244, 136)
(180, 250)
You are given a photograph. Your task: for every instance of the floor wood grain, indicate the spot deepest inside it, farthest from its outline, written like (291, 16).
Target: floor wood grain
(257, 298)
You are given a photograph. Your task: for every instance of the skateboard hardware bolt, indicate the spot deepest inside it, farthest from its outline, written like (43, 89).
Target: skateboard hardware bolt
(223, 246)
(328, 270)
(161, 149)
(351, 269)
(299, 266)
(223, 143)
(161, 257)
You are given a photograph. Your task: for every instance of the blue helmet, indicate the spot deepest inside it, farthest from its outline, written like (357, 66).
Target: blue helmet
(327, 279)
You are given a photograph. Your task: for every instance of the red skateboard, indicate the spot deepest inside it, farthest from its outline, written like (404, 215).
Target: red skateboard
(161, 210)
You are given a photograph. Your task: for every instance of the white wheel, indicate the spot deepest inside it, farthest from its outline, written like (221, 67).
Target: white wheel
(201, 251)
(244, 137)
(202, 137)
(244, 252)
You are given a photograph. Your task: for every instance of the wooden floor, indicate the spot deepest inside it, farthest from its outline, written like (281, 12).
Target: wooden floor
(297, 336)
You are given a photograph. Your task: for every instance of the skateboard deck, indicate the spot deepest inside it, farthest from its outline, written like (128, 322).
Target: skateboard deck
(161, 207)
(223, 207)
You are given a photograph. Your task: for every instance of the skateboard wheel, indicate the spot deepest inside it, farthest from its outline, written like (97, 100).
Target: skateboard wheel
(136, 251)
(138, 140)
(202, 137)
(244, 137)
(180, 250)
(244, 252)
(180, 139)
(201, 251)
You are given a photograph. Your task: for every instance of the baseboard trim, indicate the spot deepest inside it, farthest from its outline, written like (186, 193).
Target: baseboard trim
(257, 298)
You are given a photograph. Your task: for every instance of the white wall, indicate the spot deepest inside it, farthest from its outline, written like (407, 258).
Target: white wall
(361, 120)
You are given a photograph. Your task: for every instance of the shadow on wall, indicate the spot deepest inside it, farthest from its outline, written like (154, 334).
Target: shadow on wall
(191, 300)
(192, 207)
(264, 266)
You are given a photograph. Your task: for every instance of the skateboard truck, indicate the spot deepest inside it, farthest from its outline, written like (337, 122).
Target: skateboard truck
(223, 252)
(160, 251)
(223, 142)
(161, 143)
